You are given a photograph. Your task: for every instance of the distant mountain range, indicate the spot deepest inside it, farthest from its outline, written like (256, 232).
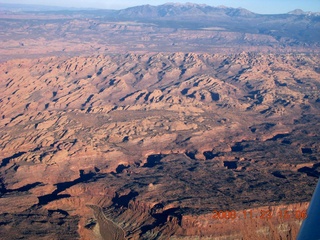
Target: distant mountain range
(296, 28)
(165, 10)
(187, 10)
(301, 12)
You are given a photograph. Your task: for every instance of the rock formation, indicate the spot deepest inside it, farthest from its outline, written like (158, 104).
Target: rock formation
(108, 131)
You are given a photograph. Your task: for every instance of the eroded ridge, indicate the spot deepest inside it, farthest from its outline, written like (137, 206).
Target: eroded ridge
(159, 141)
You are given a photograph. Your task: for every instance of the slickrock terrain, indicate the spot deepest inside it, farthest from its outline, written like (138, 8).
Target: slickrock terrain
(159, 141)
(169, 122)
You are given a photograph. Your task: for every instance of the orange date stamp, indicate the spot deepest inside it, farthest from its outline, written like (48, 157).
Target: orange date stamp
(260, 214)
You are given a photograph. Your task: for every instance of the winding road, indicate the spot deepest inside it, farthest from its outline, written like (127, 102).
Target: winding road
(108, 229)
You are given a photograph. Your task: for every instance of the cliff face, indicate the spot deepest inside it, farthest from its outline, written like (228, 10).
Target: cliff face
(276, 222)
(160, 142)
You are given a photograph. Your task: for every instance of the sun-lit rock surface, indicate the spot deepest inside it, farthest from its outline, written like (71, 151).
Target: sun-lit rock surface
(159, 141)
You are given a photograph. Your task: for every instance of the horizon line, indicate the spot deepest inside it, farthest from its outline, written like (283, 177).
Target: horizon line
(168, 3)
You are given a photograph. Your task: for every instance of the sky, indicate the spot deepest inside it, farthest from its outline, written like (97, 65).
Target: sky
(257, 6)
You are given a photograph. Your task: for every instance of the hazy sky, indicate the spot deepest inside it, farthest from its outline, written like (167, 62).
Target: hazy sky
(258, 6)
